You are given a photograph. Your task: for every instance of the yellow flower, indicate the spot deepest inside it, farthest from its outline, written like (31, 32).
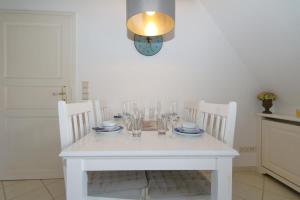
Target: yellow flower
(266, 95)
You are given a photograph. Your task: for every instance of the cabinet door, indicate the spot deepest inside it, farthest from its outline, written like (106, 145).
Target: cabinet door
(281, 149)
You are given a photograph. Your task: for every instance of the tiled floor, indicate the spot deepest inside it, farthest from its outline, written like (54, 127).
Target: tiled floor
(247, 185)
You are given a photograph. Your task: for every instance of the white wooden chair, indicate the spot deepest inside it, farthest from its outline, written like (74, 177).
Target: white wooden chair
(76, 120)
(217, 120)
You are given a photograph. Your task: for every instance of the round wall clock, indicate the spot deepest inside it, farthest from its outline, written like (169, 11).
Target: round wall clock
(148, 46)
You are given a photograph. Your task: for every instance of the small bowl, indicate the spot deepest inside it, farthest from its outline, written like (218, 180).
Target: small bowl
(109, 124)
(188, 125)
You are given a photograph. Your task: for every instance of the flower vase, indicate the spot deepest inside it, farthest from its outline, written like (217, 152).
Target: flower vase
(267, 104)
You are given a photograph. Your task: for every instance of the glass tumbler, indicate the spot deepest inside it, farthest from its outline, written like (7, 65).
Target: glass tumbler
(162, 124)
(127, 111)
(137, 120)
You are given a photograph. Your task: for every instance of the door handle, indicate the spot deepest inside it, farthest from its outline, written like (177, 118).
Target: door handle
(62, 93)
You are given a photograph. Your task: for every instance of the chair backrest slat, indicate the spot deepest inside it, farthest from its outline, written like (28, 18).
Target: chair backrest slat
(222, 131)
(219, 120)
(205, 120)
(211, 124)
(217, 127)
(76, 132)
(81, 124)
(75, 121)
(86, 123)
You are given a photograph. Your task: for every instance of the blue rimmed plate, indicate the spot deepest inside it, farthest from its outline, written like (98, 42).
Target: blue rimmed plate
(117, 129)
(190, 132)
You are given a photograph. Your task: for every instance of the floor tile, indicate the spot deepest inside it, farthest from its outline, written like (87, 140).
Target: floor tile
(234, 197)
(15, 189)
(250, 178)
(50, 181)
(63, 197)
(246, 192)
(272, 186)
(56, 187)
(36, 194)
(272, 196)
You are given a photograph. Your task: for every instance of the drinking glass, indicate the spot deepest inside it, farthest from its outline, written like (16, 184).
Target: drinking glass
(162, 124)
(137, 120)
(173, 107)
(152, 110)
(107, 113)
(158, 108)
(190, 113)
(151, 113)
(127, 112)
(173, 114)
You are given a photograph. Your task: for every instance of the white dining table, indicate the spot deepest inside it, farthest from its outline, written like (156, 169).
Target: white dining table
(151, 151)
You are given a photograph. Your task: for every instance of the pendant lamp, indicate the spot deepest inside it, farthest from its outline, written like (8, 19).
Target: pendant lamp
(150, 17)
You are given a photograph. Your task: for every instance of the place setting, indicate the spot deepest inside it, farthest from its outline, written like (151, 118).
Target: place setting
(108, 127)
(188, 129)
(136, 119)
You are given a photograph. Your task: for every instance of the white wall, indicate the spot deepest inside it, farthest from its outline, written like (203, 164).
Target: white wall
(198, 63)
(266, 35)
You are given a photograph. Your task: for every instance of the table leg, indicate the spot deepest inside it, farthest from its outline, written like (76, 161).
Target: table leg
(221, 180)
(76, 183)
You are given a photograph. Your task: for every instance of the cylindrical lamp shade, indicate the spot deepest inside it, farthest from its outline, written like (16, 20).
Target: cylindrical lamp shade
(150, 17)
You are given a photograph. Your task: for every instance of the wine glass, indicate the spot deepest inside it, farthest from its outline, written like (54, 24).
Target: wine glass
(107, 113)
(190, 112)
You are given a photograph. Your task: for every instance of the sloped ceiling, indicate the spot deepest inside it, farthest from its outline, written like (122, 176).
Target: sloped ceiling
(266, 35)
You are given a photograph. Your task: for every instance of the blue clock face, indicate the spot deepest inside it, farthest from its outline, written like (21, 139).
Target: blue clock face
(148, 46)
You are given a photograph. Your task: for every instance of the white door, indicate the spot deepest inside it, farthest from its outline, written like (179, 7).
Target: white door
(37, 58)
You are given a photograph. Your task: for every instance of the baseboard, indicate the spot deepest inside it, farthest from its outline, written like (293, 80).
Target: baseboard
(248, 168)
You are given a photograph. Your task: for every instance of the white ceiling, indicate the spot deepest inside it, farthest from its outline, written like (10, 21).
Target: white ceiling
(266, 35)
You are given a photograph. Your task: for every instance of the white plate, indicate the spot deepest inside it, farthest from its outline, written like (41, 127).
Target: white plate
(108, 124)
(111, 128)
(188, 134)
(191, 130)
(118, 129)
(181, 131)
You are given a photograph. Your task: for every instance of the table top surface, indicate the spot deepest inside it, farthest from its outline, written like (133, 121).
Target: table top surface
(149, 144)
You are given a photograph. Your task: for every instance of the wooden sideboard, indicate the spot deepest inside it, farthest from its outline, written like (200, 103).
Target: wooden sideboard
(278, 148)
